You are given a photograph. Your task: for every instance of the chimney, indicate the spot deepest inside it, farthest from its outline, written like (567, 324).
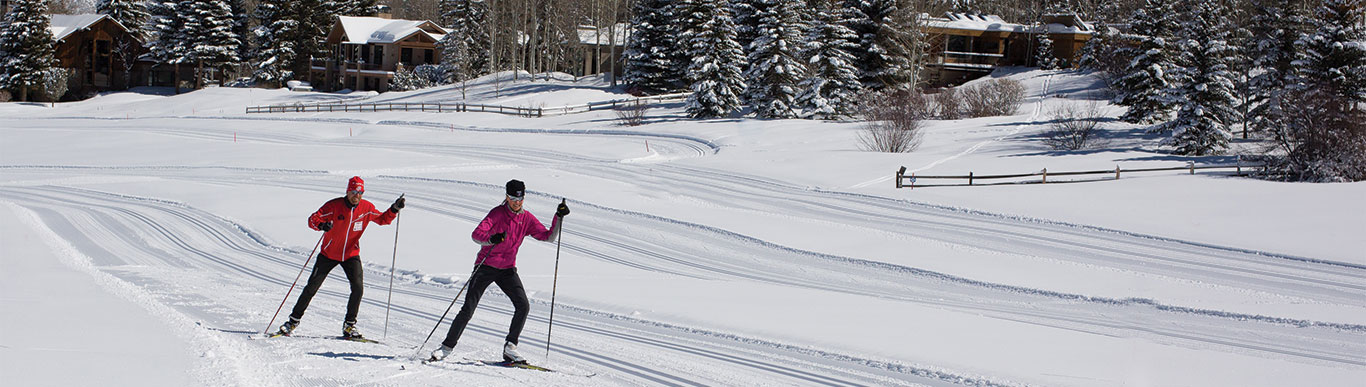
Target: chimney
(385, 12)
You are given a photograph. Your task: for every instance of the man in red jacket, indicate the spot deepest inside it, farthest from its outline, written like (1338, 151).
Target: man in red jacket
(500, 235)
(342, 221)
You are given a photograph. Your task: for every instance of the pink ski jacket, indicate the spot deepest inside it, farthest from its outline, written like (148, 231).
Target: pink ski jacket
(516, 225)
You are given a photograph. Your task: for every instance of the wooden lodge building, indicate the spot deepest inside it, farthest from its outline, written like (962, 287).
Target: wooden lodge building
(99, 49)
(964, 46)
(366, 52)
(104, 55)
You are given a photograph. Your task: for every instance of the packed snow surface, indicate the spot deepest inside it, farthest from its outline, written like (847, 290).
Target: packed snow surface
(148, 238)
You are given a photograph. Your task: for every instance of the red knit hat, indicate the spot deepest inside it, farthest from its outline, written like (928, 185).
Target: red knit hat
(356, 184)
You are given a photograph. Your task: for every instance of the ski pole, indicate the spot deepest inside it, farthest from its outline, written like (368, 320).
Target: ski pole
(390, 301)
(448, 307)
(554, 284)
(291, 286)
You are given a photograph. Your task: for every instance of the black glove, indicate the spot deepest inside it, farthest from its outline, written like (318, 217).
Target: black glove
(398, 205)
(325, 226)
(562, 210)
(497, 238)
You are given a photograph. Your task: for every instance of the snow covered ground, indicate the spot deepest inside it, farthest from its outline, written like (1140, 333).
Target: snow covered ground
(148, 236)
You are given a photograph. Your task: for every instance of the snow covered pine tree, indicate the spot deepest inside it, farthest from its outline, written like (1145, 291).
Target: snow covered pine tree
(774, 69)
(830, 90)
(717, 59)
(25, 47)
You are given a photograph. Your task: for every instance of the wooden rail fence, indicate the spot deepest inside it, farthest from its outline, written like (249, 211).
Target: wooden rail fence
(909, 181)
(465, 107)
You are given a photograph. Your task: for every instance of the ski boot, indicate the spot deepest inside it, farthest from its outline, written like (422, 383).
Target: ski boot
(349, 331)
(287, 328)
(440, 353)
(510, 354)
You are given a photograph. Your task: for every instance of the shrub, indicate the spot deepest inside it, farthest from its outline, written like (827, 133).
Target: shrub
(1074, 126)
(893, 121)
(55, 82)
(632, 114)
(422, 76)
(1321, 139)
(997, 97)
(948, 105)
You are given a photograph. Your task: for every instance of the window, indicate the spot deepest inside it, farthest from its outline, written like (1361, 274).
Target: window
(991, 46)
(958, 43)
(427, 56)
(379, 55)
(364, 52)
(406, 56)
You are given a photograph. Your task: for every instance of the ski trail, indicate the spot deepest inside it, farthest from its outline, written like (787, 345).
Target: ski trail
(416, 304)
(817, 270)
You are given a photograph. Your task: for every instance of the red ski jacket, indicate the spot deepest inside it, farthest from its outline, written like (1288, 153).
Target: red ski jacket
(342, 242)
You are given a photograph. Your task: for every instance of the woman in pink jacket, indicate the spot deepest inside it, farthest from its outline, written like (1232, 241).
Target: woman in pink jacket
(500, 234)
(342, 221)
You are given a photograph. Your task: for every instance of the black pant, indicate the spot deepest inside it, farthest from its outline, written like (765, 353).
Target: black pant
(511, 284)
(352, 267)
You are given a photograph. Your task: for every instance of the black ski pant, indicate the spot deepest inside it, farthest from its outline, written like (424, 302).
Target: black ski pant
(510, 283)
(352, 267)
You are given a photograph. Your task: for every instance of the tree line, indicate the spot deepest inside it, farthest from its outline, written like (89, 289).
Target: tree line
(1291, 73)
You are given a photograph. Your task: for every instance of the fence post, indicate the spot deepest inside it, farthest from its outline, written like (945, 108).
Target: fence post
(1240, 162)
(969, 178)
(912, 180)
(899, 173)
(1191, 164)
(1045, 176)
(1116, 172)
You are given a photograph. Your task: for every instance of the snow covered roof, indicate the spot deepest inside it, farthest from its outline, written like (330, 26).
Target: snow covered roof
(602, 36)
(65, 25)
(362, 30)
(976, 22)
(979, 22)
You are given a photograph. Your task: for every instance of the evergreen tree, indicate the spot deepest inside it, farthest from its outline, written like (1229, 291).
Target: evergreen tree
(468, 21)
(169, 44)
(241, 20)
(652, 52)
(1275, 26)
(352, 7)
(25, 46)
(456, 56)
(1323, 132)
(1206, 91)
(1145, 83)
(274, 47)
(885, 40)
(132, 14)
(774, 70)
(1043, 53)
(717, 59)
(831, 89)
(742, 15)
(315, 21)
(1334, 50)
(1100, 54)
(214, 42)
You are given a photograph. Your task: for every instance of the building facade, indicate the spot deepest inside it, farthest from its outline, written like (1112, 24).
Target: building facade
(366, 52)
(962, 47)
